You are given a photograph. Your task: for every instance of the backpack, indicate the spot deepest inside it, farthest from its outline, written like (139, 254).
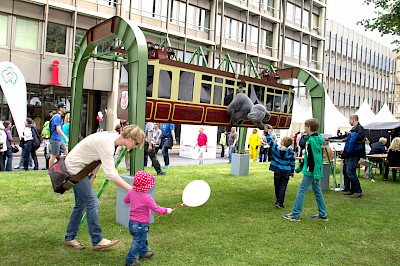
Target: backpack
(302, 141)
(36, 138)
(46, 130)
(352, 146)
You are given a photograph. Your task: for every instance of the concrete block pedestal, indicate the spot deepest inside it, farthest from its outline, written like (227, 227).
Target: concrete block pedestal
(240, 164)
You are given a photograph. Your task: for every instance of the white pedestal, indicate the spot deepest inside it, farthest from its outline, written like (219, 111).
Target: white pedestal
(240, 164)
(122, 209)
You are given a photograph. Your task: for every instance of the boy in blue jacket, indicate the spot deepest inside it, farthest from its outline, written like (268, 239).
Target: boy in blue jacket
(282, 164)
(312, 170)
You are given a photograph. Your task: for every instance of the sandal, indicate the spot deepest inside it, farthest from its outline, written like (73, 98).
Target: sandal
(75, 244)
(110, 243)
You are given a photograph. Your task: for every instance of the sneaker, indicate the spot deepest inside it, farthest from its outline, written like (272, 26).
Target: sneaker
(280, 205)
(161, 173)
(18, 167)
(165, 167)
(319, 217)
(148, 255)
(347, 192)
(290, 217)
(356, 195)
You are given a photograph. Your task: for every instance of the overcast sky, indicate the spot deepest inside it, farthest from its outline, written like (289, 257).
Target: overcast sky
(348, 12)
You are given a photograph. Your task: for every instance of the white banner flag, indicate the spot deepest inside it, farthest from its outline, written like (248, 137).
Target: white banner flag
(14, 88)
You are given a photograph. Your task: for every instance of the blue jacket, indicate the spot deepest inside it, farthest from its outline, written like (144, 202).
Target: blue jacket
(283, 160)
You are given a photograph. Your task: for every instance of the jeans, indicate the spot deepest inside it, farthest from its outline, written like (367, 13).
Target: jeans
(153, 157)
(165, 152)
(29, 152)
(232, 150)
(262, 156)
(7, 159)
(351, 182)
(139, 245)
(85, 199)
(301, 194)
(21, 160)
(280, 183)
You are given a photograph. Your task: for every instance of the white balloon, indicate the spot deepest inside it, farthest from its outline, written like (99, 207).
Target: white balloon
(196, 193)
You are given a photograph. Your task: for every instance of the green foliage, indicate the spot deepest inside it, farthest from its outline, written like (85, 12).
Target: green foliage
(387, 18)
(239, 225)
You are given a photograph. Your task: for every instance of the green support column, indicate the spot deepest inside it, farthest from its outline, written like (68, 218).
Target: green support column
(134, 42)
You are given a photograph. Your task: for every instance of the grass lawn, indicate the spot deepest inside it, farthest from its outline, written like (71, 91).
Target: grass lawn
(239, 225)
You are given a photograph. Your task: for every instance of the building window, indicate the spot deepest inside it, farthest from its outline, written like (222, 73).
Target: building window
(26, 34)
(79, 34)
(288, 47)
(315, 22)
(56, 38)
(254, 36)
(267, 39)
(314, 54)
(306, 17)
(304, 52)
(268, 5)
(3, 29)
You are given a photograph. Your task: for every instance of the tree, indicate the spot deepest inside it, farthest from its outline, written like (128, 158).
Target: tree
(387, 20)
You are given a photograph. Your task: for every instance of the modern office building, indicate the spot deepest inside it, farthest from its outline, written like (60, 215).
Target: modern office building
(396, 94)
(36, 34)
(357, 68)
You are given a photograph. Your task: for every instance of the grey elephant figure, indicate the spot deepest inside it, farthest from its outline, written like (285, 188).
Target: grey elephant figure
(242, 109)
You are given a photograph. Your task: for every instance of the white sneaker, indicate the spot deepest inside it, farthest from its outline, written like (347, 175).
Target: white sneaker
(18, 167)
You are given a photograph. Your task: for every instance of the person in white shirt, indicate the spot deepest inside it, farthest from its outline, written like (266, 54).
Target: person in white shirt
(27, 137)
(98, 146)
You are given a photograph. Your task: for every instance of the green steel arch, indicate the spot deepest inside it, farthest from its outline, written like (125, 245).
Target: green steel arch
(133, 50)
(314, 86)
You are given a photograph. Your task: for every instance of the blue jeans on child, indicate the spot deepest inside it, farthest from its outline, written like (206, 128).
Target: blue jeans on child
(85, 199)
(139, 245)
(301, 194)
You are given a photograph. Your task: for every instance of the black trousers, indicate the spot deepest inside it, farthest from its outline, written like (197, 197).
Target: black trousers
(153, 157)
(280, 183)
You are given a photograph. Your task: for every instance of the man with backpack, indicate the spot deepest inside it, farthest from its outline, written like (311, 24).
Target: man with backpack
(56, 134)
(354, 149)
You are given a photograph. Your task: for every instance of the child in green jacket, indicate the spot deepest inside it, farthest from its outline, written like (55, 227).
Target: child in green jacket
(312, 170)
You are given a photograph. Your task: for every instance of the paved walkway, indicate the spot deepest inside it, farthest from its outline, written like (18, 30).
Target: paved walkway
(175, 159)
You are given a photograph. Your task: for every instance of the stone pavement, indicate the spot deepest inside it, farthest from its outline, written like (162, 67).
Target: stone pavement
(175, 159)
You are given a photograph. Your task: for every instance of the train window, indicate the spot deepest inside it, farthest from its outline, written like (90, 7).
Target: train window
(217, 95)
(150, 76)
(186, 83)
(218, 80)
(285, 102)
(206, 77)
(256, 94)
(205, 94)
(228, 96)
(229, 82)
(270, 90)
(164, 84)
(278, 101)
(270, 100)
(290, 105)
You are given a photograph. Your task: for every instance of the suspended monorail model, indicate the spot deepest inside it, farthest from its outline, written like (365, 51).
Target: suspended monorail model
(183, 93)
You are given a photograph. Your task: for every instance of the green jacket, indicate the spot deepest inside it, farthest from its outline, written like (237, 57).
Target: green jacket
(312, 163)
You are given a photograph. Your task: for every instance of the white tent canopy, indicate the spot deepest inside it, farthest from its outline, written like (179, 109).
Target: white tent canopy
(384, 115)
(334, 119)
(299, 115)
(365, 114)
